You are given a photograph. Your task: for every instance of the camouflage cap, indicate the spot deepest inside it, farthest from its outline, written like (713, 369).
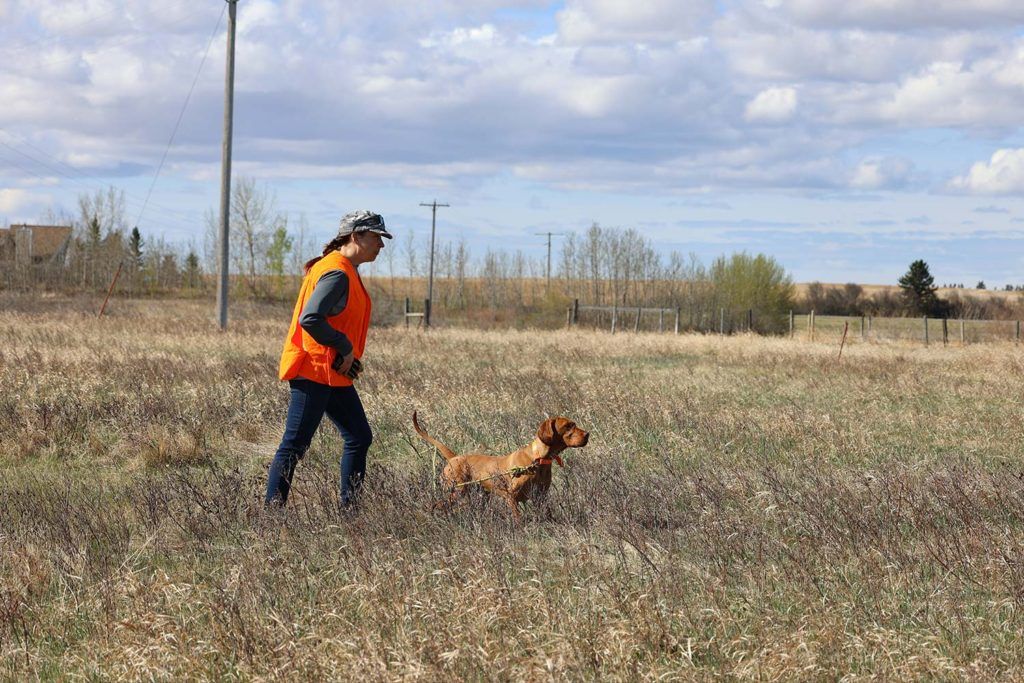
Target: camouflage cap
(362, 221)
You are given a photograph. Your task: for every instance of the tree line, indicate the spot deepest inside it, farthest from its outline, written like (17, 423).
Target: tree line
(600, 266)
(916, 295)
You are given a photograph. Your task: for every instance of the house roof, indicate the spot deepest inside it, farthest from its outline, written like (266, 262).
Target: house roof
(47, 240)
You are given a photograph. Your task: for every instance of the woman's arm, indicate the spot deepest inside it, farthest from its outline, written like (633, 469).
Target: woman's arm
(329, 298)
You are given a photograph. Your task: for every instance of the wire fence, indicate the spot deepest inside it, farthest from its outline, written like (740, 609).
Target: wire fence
(923, 330)
(807, 326)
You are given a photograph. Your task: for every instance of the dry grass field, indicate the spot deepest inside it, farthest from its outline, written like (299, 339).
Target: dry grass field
(747, 507)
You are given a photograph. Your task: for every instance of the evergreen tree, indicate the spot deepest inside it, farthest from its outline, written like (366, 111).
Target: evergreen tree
(192, 270)
(135, 249)
(918, 287)
(980, 285)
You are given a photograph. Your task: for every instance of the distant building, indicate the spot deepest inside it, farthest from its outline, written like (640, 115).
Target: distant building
(34, 244)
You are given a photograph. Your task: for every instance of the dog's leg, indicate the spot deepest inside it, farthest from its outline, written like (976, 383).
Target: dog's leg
(513, 506)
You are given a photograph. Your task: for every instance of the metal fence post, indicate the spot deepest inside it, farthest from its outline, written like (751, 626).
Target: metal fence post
(575, 312)
(791, 324)
(926, 330)
(636, 325)
(677, 320)
(615, 315)
(407, 308)
(963, 335)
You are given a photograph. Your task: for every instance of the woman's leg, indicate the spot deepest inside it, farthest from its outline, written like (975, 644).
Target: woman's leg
(305, 410)
(346, 412)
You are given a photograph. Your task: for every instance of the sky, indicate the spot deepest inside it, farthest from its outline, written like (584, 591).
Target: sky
(845, 139)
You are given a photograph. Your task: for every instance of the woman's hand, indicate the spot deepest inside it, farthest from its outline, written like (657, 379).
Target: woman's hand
(342, 364)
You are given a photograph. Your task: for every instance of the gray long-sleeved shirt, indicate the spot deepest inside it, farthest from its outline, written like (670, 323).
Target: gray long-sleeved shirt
(329, 297)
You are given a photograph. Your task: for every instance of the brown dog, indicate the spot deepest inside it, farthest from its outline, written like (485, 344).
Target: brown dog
(515, 477)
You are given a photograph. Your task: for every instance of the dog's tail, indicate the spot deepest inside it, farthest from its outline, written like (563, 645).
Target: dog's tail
(445, 451)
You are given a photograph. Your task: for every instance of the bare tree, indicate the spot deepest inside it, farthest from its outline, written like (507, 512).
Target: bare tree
(461, 265)
(254, 220)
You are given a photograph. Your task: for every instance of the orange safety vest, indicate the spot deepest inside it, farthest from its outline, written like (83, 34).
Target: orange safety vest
(302, 355)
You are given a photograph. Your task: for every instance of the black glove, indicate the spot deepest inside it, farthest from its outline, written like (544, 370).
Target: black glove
(353, 370)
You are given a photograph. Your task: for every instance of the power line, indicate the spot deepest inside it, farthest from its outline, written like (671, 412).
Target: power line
(109, 46)
(181, 114)
(78, 175)
(21, 47)
(28, 170)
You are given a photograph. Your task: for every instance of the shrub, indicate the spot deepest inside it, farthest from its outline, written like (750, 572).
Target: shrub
(743, 282)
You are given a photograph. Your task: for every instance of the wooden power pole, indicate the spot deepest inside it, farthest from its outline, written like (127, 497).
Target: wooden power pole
(547, 286)
(430, 279)
(225, 169)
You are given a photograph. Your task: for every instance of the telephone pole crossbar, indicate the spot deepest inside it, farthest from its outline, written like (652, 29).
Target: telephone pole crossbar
(430, 279)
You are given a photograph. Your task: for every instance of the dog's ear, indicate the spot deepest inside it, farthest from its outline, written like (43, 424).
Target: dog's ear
(546, 432)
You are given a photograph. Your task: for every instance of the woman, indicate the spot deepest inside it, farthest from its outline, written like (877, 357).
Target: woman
(321, 356)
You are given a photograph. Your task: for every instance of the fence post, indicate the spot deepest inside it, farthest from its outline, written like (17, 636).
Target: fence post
(791, 323)
(721, 321)
(677, 319)
(925, 330)
(426, 313)
(661, 320)
(871, 323)
(862, 337)
(407, 308)
(636, 325)
(1017, 336)
(963, 337)
(615, 315)
(945, 332)
(568, 318)
(575, 312)
(750, 320)
(810, 324)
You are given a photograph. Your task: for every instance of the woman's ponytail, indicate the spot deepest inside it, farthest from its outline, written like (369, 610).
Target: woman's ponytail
(334, 244)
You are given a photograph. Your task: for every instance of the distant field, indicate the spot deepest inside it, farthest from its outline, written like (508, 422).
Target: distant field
(869, 290)
(747, 507)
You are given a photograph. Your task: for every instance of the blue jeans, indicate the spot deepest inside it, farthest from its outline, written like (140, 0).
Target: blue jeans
(309, 401)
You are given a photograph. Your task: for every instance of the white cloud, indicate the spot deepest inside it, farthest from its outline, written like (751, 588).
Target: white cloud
(772, 105)
(599, 21)
(18, 201)
(657, 96)
(879, 174)
(894, 15)
(1002, 174)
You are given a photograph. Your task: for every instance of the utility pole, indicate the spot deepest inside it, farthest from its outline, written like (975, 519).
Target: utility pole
(549, 234)
(225, 169)
(430, 280)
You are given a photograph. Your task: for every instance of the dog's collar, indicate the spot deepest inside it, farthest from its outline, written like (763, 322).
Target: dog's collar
(548, 460)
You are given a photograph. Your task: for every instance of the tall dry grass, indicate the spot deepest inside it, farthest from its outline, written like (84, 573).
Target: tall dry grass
(747, 507)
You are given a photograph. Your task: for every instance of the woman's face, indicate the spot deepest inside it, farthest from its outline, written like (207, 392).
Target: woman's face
(368, 244)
